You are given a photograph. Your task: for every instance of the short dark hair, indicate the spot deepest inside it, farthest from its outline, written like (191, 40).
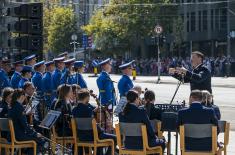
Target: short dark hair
(131, 96)
(83, 93)
(149, 95)
(199, 54)
(196, 94)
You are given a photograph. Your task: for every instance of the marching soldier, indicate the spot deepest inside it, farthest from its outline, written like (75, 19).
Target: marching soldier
(56, 75)
(37, 77)
(26, 74)
(125, 83)
(67, 76)
(78, 78)
(4, 79)
(47, 82)
(30, 60)
(65, 55)
(105, 85)
(15, 79)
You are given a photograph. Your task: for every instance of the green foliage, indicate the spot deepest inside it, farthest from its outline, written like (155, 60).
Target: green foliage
(59, 25)
(123, 23)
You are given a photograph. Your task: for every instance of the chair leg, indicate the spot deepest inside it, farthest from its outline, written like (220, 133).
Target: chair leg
(225, 150)
(90, 151)
(75, 149)
(95, 151)
(34, 149)
(113, 149)
(20, 153)
(12, 151)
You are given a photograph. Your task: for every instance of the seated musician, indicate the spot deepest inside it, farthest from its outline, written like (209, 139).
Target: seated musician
(197, 114)
(16, 113)
(133, 114)
(85, 110)
(207, 101)
(152, 111)
(62, 104)
(75, 89)
(6, 100)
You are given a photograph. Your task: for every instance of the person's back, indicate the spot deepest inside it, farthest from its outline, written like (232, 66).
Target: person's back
(133, 114)
(197, 114)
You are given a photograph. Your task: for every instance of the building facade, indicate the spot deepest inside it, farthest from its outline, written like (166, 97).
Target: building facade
(208, 26)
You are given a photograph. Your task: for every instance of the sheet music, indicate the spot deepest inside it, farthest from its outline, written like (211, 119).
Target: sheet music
(50, 119)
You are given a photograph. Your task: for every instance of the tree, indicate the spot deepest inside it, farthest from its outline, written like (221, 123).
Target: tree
(126, 23)
(59, 28)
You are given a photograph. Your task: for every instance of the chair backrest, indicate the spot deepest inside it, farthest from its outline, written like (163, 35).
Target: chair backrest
(198, 130)
(130, 129)
(4, 124)
(224, 127)
(84, 124)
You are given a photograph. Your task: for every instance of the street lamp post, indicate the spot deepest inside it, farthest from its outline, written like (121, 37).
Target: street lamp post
(158, 29)
(74, 38)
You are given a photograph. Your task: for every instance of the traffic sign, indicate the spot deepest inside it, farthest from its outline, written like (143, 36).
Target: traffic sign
(158, 29)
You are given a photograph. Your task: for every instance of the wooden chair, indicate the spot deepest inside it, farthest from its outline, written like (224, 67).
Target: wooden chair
(224, 128)
(60, 140)
(132, 130)
(198, 131)
(156, 124)
(89, 124)
(7, 125)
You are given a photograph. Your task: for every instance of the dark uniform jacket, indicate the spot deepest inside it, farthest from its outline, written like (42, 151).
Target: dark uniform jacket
(62, 125)
(3, 109)
(137, 115)
(197, 114)
(84, 111)
(199, 78)
(153, 112)
(21, 127)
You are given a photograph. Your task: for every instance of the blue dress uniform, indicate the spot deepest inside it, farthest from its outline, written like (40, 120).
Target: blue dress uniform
(47, 85)
(125, 83)
(15, 79)
(137, 115)
(29, 58)
(106, 87)
(56, 75)
(78, 78)
(4, 80)
(66, 76)
(37, 79)
(23, 79)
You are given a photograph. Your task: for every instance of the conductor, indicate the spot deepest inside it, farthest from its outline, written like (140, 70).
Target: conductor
(200, 76)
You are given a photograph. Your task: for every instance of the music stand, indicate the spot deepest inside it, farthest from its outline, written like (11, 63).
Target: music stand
(31, 108)
(50, 119)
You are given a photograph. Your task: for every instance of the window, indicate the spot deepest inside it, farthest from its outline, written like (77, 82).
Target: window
(193, 21)
(204, 22)
(212, 19)
(200, 21)
(217, 19)
(223, 18)
(187, 22)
